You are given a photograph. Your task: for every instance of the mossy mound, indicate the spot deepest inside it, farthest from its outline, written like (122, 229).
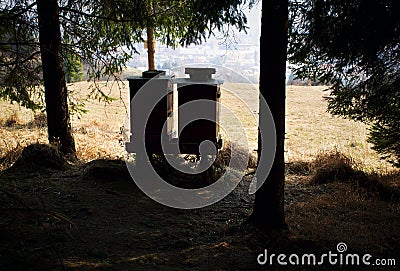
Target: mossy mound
(107, 170)
(40, 156)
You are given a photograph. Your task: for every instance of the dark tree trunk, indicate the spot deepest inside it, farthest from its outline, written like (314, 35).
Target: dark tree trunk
(268, 213)
(58, 121)
(151, 50)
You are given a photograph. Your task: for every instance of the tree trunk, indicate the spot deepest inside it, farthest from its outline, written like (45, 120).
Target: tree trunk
(58, 121)
(150, 48)
(268, 213)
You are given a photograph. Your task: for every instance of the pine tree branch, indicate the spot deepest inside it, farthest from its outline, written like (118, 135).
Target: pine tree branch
(16, 62)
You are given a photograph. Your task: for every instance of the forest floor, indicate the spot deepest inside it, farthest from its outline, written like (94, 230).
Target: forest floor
(91, 215)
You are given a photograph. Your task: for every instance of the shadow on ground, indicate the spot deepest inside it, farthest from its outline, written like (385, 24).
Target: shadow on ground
(57, 216)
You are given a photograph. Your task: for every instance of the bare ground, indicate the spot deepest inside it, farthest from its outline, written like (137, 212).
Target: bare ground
(93, 217)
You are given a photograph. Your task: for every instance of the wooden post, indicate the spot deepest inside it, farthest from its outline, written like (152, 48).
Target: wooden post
(150, 48)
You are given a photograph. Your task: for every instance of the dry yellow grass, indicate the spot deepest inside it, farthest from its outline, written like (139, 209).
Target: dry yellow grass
(310, 129)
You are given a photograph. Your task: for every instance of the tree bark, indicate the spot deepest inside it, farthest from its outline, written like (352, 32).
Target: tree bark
(56, 96)
(268, 213)
(150, 48)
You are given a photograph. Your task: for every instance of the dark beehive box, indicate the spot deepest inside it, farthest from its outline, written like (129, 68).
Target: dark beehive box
(162, 112)
(200, 86)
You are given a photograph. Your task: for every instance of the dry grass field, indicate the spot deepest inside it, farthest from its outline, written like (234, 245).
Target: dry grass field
(98, 134)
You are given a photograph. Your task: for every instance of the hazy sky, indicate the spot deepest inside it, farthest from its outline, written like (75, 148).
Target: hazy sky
(254, 23)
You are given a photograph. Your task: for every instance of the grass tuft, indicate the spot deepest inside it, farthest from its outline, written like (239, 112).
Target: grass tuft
(39, 121)
(224, 155)
(331, 166)
(11, 120)
(334, 166)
